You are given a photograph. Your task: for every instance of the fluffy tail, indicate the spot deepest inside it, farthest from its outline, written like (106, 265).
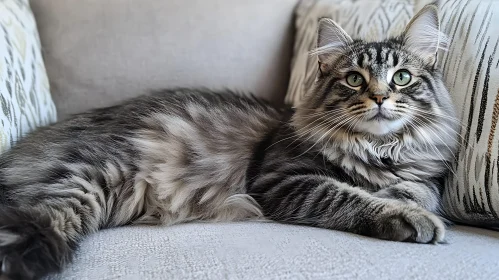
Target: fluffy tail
(32, 244)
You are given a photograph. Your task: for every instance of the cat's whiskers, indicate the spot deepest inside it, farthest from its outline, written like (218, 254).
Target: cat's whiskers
(334, 133)
(326, 123)
(436, 123)
(353, 124)
(325, 113)
(427, 139)
(420, 110)
(321, 115)
(302, 132)
(434, 120)
(338, 130)
(436, 135)
(327, 132)
(432, 146)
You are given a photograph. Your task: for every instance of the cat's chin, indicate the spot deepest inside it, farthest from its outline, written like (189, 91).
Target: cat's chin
(380, 127)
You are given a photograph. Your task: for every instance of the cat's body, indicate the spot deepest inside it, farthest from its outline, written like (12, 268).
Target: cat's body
(360, 157)
(163, 158)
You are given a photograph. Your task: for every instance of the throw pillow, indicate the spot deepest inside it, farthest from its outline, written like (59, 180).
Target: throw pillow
(25, 99)
(471, 72)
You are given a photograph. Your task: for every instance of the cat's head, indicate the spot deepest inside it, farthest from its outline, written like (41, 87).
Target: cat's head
(377, 88)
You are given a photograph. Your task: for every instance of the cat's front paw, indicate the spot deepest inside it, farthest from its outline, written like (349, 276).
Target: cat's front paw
(412, 224)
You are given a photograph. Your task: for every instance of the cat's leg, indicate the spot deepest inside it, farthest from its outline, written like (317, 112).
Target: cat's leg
(424, 194)
(41, 225)
(38, 235)
(327, 203)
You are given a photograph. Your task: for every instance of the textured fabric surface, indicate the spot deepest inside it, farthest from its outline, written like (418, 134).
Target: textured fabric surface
(24, 90)
(471, 73)
(360, 19)
(275, 251)
(99, 52)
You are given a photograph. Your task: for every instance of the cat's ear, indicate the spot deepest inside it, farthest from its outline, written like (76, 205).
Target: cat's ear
(331, 39)
(422, 34)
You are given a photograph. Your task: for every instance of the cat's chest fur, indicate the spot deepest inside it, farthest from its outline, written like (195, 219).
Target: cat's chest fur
(372, 165)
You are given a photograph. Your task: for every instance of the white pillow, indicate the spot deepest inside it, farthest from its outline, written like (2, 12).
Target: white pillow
(471, 73)
(25, 100)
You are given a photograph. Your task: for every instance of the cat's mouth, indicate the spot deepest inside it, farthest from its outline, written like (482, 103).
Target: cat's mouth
(380, 125)
(380, 114)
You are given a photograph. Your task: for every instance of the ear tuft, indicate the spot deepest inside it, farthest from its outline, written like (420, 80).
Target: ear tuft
(422, 34)
(331, 39)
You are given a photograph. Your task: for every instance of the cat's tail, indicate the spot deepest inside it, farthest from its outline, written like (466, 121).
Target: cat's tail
(33, 243)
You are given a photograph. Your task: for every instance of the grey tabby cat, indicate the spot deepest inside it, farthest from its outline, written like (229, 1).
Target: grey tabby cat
(363, 153)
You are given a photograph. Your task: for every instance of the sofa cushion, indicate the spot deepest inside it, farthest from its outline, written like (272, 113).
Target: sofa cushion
(274, 251)
(99, 52)
(24, 90)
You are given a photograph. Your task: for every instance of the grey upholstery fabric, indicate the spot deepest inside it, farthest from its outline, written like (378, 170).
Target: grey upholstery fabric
(99, 52)
(274, 251)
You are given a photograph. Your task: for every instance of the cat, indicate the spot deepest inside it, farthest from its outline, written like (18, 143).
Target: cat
(363, 152)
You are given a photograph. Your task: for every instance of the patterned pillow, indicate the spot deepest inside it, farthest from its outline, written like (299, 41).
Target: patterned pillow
(471, 73)
(25, 99)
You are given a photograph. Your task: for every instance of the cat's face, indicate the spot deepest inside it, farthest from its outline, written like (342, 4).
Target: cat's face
(376, 88)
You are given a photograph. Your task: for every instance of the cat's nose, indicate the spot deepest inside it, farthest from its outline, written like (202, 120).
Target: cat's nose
(378, 98)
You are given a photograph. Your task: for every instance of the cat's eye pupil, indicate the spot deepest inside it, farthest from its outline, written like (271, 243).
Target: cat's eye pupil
(354, 80)
(402, 78)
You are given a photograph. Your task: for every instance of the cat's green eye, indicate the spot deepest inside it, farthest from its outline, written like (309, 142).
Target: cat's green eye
(401, 77)
(355, 79)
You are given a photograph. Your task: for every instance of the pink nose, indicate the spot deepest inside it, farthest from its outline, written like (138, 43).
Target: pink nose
(379, 99)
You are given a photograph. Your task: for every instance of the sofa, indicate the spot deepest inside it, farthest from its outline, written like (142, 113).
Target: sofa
(99, 52)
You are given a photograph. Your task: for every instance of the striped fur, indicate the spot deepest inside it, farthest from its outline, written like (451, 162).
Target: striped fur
(470, 69)
(165, 158)
(350, 170)
(372, 20)
(339, 161)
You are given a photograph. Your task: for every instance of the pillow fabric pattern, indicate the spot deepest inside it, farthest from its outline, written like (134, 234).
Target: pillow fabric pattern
(471, 73)
(25, 98)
